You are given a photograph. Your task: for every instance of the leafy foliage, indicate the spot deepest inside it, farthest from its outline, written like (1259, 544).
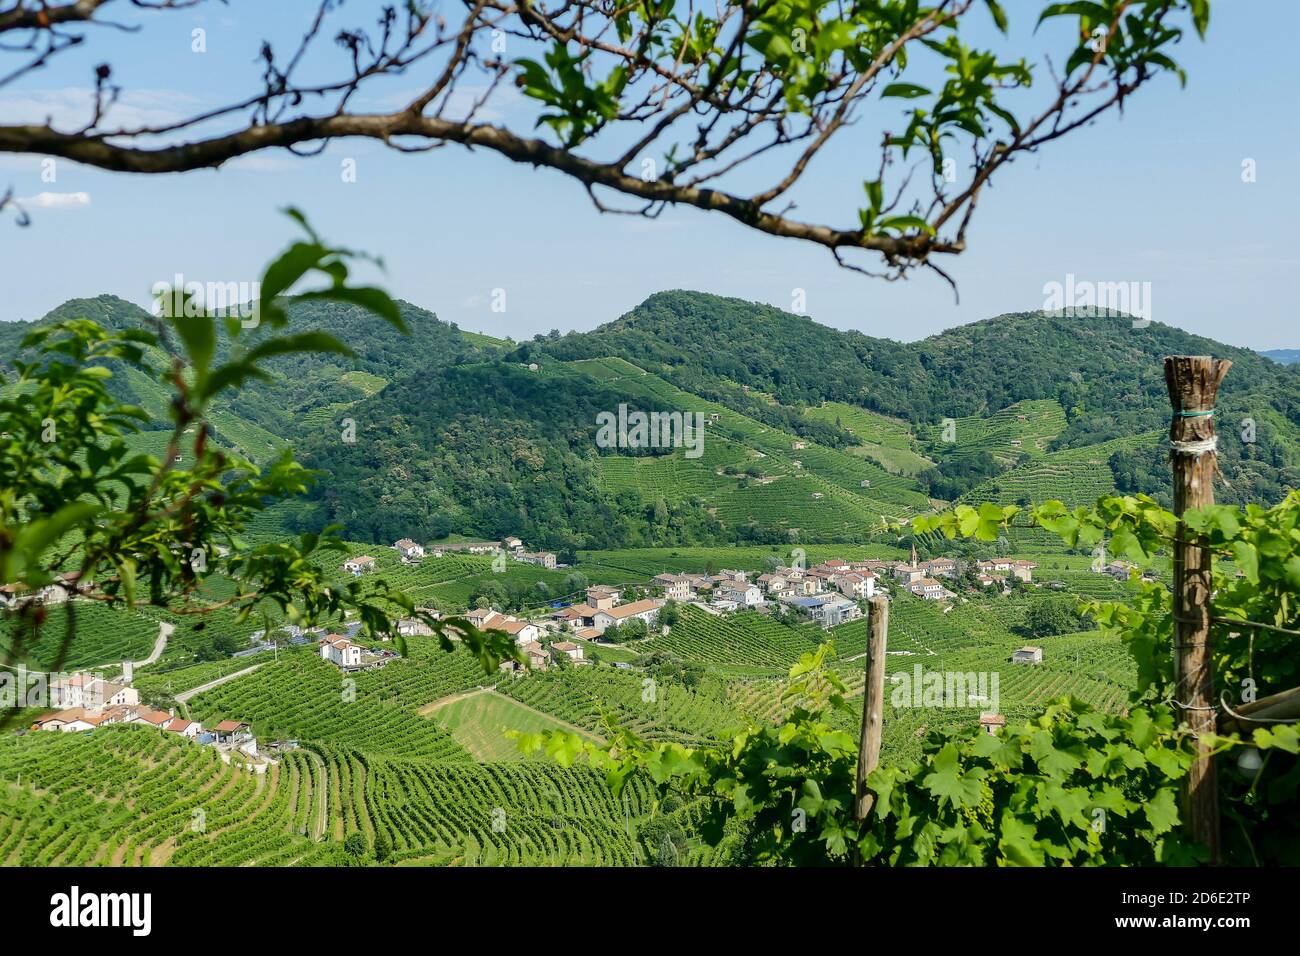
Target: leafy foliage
(116, 525)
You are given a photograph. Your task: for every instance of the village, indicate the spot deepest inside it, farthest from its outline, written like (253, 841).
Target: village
(87, 702)
(827, 594)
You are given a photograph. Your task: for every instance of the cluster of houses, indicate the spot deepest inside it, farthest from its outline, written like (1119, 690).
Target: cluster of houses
(828, 593)
(604, 608)
(996, 571)
(87, 701)
(410, 552)
(1121, 570)
(64, 587)
(527, 635)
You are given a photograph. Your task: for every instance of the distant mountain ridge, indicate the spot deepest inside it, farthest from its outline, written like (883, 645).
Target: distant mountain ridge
(457, 433)
(1283, 356)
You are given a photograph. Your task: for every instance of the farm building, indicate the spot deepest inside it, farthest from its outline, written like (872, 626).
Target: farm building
(647, 610)
(408, 550)
(828, 610)
(1027, 655)
(359, 565)
(568, 649)
(340, 651)
(992, 723)
(603, 598)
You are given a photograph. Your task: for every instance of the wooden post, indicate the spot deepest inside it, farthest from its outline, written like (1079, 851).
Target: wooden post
(873, 701)
(1193, 382)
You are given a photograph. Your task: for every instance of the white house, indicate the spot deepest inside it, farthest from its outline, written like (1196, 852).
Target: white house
(676, 587)
(647, 610)
(568, 649)
(408, 550)
(71, 721)
(857, 584)
(412, 627)
(11, 594)
(91, 692)
(186, 728)
(828, 610)
(743, 595)
(545, 559)
(52, 594)
(928, 588)
(359, 565)
(340, 651)
(1027, 655)
(513, 544)
(523, 632)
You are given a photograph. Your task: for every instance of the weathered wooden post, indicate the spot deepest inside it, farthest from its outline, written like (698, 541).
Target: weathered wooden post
(1193, 382)
(873, 701)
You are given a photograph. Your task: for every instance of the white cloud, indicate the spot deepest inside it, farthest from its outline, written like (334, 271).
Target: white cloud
(55, 201)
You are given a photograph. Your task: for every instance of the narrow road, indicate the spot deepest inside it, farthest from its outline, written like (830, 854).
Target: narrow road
(164, 631)
(185, 695)
(441, 702)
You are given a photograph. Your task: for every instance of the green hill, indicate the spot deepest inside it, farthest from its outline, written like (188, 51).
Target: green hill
(1078, 381)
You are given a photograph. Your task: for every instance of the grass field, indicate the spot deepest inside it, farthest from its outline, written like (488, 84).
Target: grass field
(479, 721)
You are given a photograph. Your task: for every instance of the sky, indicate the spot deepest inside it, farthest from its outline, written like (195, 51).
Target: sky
(1154, 196)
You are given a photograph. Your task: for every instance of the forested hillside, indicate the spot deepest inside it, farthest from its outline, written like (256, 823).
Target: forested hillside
(815, 434)
(1104, 373)
(305, 389)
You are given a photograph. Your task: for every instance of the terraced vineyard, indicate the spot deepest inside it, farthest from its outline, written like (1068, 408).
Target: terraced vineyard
(851, 493)
(1075, 476)
(480, 721)
(133, 796)
(103, 636)
(584, 696)
(303, 696)
(750, 639)
(1024, 428)
(164, 683)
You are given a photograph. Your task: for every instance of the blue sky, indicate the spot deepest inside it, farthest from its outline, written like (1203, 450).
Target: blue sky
(1154, 196)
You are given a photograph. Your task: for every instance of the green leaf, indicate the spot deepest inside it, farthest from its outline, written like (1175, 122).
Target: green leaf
(1162, 810)
(948, 782)
(199, 333)
(903, 223)
(1246, 555)
(367, 297)
(908, 91)
(999, 15)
